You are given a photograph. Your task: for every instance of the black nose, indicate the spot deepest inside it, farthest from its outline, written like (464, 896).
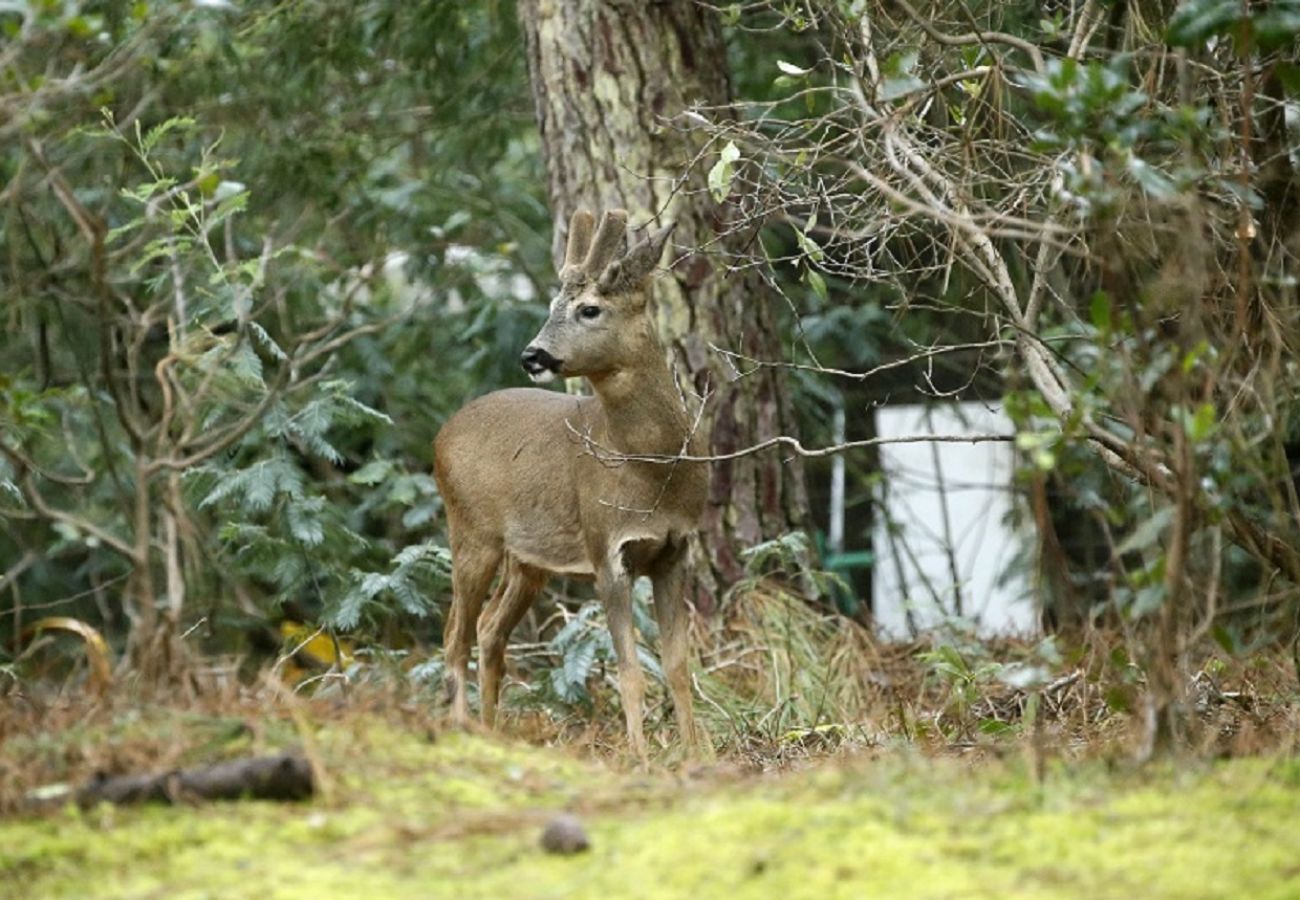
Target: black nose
(535, 361)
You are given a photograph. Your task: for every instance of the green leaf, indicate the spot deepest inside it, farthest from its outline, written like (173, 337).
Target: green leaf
(80, 27)
(260, 486)
(895, 88)
(1194, 355)
(419, 515)
(142, 193)
(247, 365)
(1276, 27)
(122, 229)
(1155, 183)
(817, 283)
(1227, 639)
(228, 206)
(305, 523)
(348, 614)
(723, 171)
(898, 79)
(267, 342)
(1040, 447)
(158, 132)
(207, 183)
(1147, 600)
(1100, 312)
(8, 487)
(1202, 423)
(1197, 20)
(1289, 75)
(372, 472)
(578, 662)
(1148, 532)
(809, 246)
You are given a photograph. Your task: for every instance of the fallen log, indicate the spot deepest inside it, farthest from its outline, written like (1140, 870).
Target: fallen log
(286, 776)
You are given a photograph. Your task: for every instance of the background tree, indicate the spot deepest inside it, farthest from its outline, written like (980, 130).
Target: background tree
(610, 85)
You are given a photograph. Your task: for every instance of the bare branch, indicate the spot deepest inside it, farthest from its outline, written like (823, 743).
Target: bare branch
(613, 457)
(14, 572)
(974, 37)
(45, 511)
(928, 353)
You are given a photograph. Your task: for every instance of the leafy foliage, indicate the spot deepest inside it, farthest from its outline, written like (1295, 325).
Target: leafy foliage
(584, 645)
(257, 256)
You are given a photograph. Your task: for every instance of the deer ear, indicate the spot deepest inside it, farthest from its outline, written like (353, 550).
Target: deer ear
(627, 272)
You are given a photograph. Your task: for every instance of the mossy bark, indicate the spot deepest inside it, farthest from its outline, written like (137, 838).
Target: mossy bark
(610, 80)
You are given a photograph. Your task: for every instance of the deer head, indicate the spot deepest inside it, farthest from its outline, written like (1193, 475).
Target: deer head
(597, 323)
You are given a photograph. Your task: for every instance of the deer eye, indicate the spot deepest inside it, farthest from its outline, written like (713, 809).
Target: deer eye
(589, 313)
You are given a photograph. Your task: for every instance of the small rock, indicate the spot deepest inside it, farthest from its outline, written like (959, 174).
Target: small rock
(564, 834)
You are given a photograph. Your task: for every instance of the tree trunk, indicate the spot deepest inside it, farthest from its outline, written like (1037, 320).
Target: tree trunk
(607, 78)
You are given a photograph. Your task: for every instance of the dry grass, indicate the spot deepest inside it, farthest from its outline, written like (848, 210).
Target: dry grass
(778, 684)
(791, 675)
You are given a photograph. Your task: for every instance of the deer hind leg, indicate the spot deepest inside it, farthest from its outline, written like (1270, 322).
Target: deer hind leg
(471, 576)
(615, 588)
(673, 615)
(520, 586)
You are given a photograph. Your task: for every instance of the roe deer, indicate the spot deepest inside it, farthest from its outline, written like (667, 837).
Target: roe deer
(537, 483)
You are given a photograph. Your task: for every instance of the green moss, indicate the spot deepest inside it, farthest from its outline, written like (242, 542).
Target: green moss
(459, 817)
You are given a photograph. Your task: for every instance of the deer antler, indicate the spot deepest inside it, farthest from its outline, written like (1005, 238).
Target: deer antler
(609, 240)
(579, 243)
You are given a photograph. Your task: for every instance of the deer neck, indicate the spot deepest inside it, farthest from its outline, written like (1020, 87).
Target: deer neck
(642, 408)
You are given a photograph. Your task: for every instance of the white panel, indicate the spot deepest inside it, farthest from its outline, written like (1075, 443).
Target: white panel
(972, 483)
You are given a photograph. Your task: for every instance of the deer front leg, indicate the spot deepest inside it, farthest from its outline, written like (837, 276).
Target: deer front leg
(615, 590)
(673, 616)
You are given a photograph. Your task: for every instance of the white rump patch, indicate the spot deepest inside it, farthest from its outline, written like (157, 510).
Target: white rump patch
(616, 554)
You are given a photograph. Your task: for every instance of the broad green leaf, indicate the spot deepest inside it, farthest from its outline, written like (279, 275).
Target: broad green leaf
(1276, 26)
(898, 80)
(1195, 21)
(1148, 532)
(817, 283)
(809, 246)
(723, 172)
(1157, 184)
(372, 472)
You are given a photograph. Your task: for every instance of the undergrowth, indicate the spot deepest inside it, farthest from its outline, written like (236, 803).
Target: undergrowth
(777, 680)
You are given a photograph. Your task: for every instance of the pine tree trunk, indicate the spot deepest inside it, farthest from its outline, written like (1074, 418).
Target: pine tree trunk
(610, 79)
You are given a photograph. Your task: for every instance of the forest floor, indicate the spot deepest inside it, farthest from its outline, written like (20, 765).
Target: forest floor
(405, 809)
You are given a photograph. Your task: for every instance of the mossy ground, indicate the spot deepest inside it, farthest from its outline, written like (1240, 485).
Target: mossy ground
(405, 814)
